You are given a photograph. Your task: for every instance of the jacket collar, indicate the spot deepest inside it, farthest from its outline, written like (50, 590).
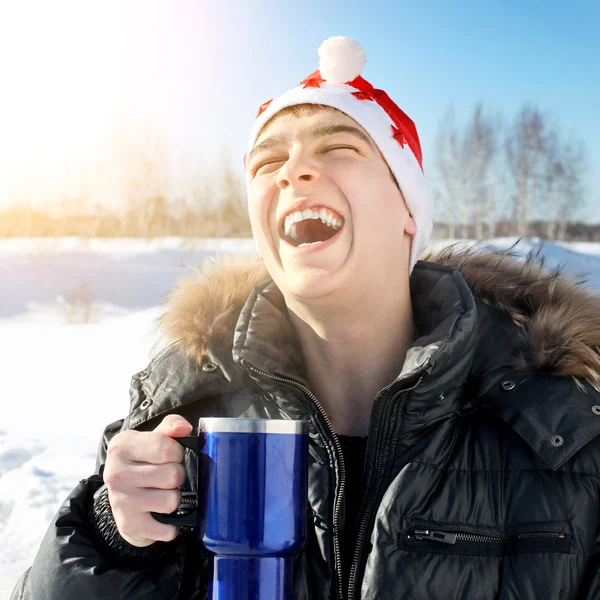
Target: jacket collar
(445, 319)
(555, 417)
(556, 317)
(529, 323)
(264, 339)
(443, 308)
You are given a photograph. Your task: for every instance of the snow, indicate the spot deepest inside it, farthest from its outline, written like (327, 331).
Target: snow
(74, 376)
(580, 260)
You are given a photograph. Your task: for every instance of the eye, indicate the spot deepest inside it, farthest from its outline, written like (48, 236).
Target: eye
(340, 147)
(263, 166)
(331, 148)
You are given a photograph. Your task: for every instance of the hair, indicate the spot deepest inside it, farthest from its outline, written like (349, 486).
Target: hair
(297, 111)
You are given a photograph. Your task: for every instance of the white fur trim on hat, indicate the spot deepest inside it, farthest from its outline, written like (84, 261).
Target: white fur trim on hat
(374, 120)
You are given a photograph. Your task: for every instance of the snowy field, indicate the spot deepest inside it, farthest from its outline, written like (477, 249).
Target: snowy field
(77, 319)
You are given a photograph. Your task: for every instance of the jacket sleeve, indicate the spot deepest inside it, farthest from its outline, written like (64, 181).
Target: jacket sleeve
(83, 556)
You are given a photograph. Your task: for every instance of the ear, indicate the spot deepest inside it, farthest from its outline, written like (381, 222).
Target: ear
(410, 226)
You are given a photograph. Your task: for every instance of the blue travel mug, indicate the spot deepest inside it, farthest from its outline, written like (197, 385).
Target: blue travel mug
(252, 503)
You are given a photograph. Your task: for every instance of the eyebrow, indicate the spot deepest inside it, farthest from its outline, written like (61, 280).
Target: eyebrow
(316, 132)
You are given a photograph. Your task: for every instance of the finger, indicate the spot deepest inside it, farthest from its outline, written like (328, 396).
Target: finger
(146, 530)
(145, 447)
(168, 476)
(174, 426)
(133, 504)
(159, 532)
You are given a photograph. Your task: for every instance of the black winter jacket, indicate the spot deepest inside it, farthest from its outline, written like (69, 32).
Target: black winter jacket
(489, 440)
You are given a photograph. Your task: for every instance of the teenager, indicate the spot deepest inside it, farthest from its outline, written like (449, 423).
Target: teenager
(452, 403)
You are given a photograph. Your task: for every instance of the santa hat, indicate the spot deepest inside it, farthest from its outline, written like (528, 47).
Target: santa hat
(338, 83)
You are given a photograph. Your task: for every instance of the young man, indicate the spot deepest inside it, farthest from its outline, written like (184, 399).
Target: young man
(453, 403)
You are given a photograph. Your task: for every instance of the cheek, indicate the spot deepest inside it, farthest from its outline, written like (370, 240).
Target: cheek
(379, 210)
(262, 205)
(254, 212)
(257, 198)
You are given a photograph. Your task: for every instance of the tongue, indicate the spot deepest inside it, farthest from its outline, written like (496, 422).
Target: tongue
(313, 230)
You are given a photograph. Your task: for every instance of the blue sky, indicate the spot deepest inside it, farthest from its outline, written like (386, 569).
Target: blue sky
(427, 56)
(199, 69)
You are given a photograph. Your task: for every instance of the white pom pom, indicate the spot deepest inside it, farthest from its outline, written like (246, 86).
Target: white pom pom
(341, 59)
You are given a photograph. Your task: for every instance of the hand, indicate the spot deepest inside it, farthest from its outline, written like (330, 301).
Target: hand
(142, 473)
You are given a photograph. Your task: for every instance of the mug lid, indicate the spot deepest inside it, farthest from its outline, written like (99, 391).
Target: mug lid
(240, 425)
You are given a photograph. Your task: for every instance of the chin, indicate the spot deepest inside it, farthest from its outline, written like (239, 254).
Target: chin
(309, 284)
(309, 275)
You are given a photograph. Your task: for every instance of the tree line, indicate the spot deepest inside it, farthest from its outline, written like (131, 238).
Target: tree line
(493, 177)
(488, 177)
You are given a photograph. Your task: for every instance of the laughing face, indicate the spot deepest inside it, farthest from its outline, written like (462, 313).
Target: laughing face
(325, 210)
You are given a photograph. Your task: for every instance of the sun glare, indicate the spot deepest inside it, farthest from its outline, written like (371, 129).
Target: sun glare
(79, 77)
(60, 73)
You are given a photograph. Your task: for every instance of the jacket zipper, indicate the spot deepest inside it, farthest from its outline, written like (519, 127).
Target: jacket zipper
(371, 499)
(451, 538)
(337, 555)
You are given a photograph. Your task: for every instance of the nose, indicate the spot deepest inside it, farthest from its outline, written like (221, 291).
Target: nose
(296, 171)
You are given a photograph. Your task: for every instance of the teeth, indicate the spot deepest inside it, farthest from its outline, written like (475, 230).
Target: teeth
(289, 224)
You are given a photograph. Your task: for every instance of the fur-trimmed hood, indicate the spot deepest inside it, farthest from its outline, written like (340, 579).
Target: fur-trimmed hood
(559, 318)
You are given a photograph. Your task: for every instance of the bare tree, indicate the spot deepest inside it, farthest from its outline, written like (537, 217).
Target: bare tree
(525, 146)
(562, 190)
(553, 175)
(468, 159)
(495, 180)
(203, 201)
(479, 147)
(464, 175)
(232, 213)
(571, 185)
(140, 162)
(24, 192)
(446, 164)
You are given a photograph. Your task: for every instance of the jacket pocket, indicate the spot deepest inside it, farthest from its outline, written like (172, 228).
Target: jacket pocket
(533, 538)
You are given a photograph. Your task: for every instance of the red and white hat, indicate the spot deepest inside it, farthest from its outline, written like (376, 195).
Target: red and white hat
(338, 83)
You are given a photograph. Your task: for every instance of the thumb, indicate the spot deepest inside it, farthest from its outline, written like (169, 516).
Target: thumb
(174, 426)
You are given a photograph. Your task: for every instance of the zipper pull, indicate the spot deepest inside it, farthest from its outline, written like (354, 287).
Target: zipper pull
(435, 536)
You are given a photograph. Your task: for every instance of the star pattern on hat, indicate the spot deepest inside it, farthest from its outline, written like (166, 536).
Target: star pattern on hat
(398, 136)
(263, 107)
(362, 95)
(313, 80)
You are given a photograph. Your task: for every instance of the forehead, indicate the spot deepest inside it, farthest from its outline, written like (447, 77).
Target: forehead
(296, 126)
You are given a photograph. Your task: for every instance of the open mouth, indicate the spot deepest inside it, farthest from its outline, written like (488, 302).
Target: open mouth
(311, 226)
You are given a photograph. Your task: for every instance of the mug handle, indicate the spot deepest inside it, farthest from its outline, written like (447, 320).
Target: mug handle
(186, 515)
